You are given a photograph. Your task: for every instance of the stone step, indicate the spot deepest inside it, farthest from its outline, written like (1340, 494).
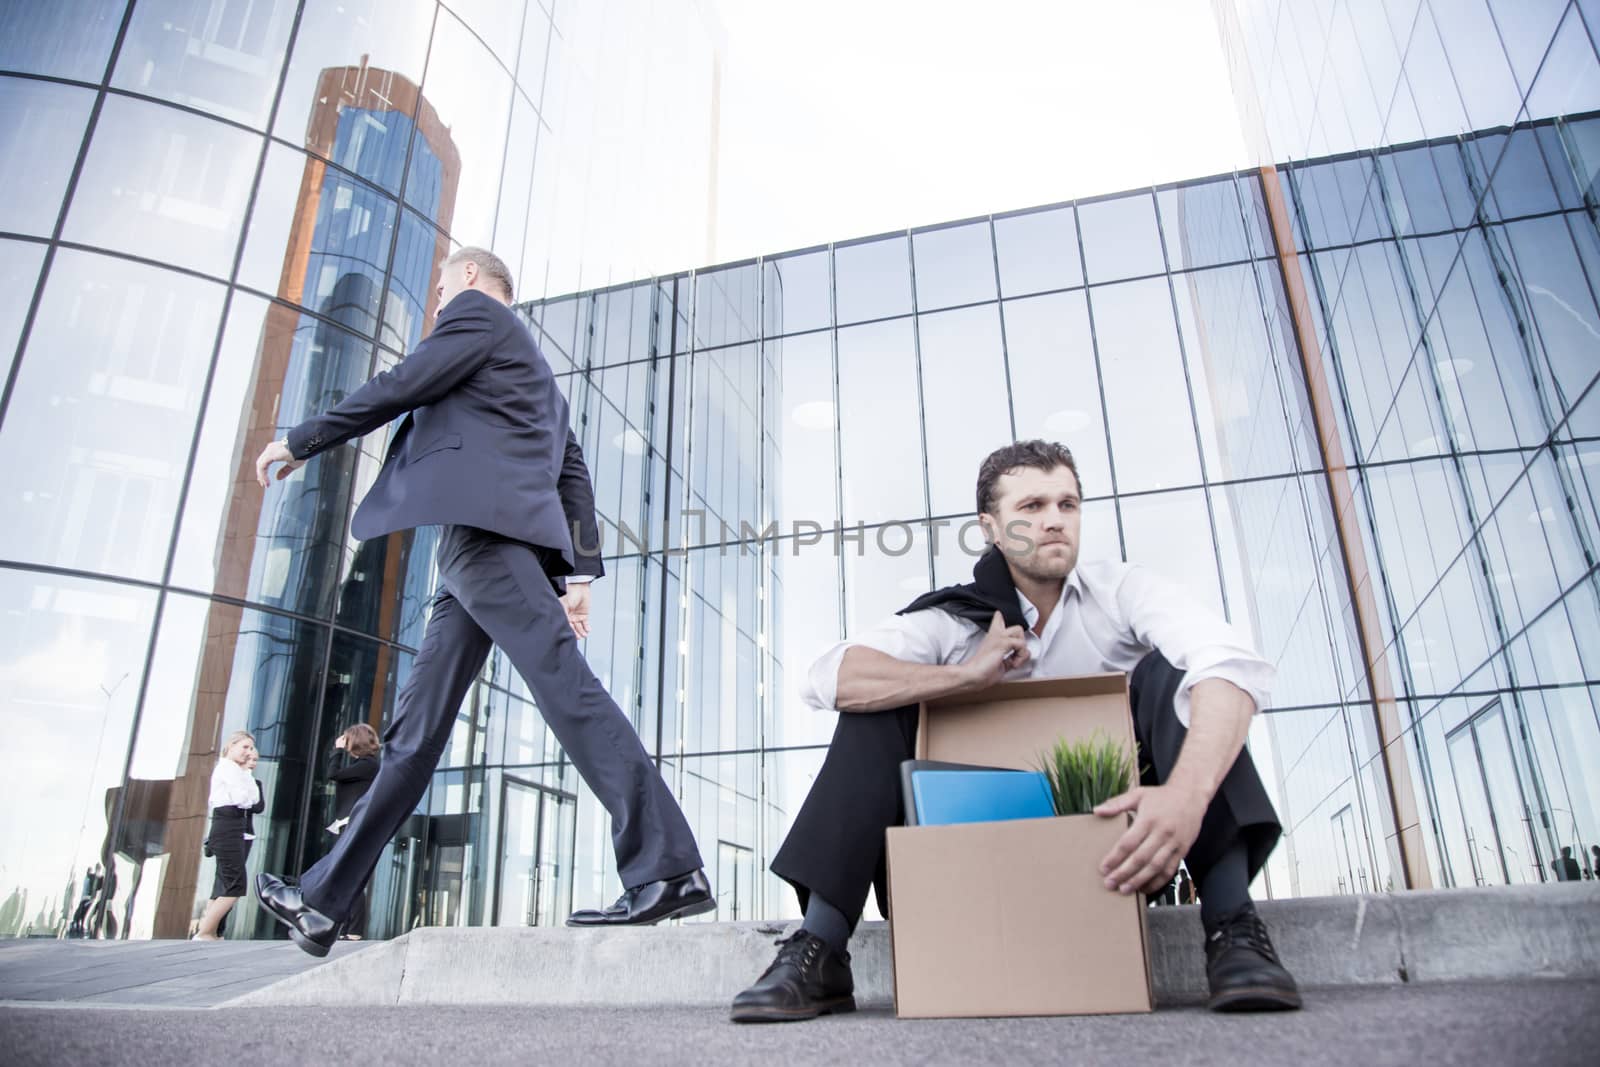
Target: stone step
(1431, 936)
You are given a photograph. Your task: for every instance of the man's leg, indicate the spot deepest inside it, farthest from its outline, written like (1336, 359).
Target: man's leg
(503, 584)
(833, 855)
(453, 651)
(1238, 833)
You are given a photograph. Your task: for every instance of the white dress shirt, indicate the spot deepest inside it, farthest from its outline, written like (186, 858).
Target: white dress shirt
(1110, 616)
(232, 786)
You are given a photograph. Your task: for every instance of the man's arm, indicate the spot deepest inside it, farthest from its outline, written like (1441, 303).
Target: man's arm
(1169, 815)
(1218, 663)
(577, 501)
(870, 680)
(458, 346)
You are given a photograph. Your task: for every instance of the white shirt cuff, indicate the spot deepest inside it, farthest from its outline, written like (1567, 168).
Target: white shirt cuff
(579, 579)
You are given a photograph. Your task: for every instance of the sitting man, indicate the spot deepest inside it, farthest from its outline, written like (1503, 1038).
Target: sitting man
(1032, 612)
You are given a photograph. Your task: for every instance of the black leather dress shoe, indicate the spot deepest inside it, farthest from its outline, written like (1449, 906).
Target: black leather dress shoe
(807, 979)
(1242, 967)
(646, 905)
(309, 928)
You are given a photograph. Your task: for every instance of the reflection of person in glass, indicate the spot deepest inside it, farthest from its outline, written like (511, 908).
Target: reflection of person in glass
(485, 451)
(235, 796)
(350, 784)
(1033, 610)
(1566, 866)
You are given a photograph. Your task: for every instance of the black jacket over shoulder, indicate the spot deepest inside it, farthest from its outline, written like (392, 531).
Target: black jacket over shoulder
(486, 442)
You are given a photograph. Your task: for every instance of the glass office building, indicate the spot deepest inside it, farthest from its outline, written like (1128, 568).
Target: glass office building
(1348, 400)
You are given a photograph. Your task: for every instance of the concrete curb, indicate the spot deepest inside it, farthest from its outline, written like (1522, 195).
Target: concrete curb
(1434, 936)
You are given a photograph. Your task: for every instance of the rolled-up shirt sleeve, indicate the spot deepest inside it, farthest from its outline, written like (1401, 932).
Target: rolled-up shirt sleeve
(930, 636)
(1196, 640)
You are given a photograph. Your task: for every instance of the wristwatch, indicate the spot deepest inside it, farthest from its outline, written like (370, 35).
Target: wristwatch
(284, 441)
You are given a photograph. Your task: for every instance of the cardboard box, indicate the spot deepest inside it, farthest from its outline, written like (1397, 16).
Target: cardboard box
(1013, 918)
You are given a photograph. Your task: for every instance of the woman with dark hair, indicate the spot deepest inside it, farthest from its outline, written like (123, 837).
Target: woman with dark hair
(350, 784)
(235, 796)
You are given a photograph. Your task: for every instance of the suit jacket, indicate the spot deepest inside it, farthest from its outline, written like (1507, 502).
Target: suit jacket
(350, 784)
(485, 442)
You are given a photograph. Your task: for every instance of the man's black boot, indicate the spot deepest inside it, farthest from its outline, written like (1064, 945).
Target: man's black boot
(1242, 967)
(808, 979)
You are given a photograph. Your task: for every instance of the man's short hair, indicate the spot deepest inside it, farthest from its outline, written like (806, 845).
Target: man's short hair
(1039, 455)
(490, 265)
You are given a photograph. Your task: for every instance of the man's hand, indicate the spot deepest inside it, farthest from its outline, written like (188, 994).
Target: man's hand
(1165, 826)
(276, 452)
(576, 604)
(1004, 648)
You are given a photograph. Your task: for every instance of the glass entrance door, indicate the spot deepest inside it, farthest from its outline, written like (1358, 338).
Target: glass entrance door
(537, 827)
(1493, 807)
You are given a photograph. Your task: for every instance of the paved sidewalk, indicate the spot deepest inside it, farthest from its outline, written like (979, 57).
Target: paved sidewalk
(1536, 1021)
(195, 974)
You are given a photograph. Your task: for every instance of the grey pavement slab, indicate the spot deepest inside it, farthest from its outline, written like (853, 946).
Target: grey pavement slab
(154, 973)
(1387, 939)
(1537, 1021)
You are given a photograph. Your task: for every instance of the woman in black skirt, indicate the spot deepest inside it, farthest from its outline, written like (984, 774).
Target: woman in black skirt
(350, 784)
(235, 797)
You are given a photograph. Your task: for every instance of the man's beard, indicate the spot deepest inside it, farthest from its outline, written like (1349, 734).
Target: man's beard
(1041, 568)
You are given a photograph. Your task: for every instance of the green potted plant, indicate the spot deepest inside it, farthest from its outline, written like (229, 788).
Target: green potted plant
(1086, 773)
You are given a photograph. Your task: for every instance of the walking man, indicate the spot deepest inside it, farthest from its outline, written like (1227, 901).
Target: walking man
(485, 451)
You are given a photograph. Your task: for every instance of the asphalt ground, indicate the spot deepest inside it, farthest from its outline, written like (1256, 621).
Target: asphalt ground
(1532, 1021)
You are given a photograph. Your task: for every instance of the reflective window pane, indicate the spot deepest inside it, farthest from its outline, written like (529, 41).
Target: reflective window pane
(872, 280)
(19, 274)
(535, 48)
(727, 306)
(498, 23)
(471, 96)
(1055, 386)
(1234, 373)
(409, 311)
(319, 238)
(1120, 238)
(112, 378)
(1202, 224)
(805, 434)
(66, 40)
(881, 461)
(954, 266)
(359, 115)
(160, 178)
(1171, 534)
(1038, 251)
(41, 130)
(963, 402)
(71, 659)
(223, 58)
(1152, 433)
(799, 293)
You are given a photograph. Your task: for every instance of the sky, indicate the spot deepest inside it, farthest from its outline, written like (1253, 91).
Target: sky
(843, 118)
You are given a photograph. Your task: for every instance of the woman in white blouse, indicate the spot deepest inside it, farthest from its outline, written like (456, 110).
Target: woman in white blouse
(235, 796)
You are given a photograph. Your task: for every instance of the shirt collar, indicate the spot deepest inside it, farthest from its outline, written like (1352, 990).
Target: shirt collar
(1031, 614)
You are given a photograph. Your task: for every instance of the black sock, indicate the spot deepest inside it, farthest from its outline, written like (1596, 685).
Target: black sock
(1224, 886)
(827, 922)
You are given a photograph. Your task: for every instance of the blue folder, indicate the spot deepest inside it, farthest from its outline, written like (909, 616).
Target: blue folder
(943, 797)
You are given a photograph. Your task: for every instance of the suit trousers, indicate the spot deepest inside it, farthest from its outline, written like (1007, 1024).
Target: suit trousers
(837, 847)
(496, 592)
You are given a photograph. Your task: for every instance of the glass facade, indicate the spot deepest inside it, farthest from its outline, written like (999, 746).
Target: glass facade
(1348, 401)
(219, 217)
(1447, 254)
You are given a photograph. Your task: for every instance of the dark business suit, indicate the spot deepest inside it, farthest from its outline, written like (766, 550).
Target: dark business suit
(485, 452)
